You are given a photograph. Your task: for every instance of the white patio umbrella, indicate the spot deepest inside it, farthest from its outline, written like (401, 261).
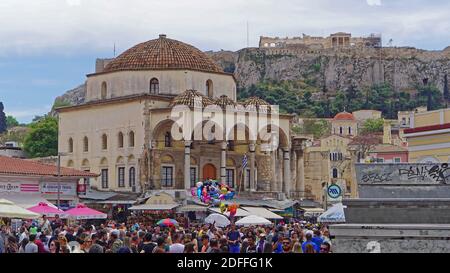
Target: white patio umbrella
(218, 220)
(10, 210)
(253, 220)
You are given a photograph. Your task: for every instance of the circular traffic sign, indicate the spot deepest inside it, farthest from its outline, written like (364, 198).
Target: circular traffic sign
(334, 191)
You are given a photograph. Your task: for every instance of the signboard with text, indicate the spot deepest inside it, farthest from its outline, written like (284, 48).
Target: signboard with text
(65, 189)
(19, 187)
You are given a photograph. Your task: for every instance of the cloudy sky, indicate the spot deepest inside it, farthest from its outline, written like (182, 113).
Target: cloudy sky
(48, 46)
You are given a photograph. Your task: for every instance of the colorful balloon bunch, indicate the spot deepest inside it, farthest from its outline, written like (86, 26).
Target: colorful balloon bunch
(212, 192)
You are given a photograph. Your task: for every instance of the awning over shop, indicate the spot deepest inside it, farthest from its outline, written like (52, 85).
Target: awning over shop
(312, 211)
(25, 200)
(239, 212)
(189, 208)
(263, 212)
(154, 207)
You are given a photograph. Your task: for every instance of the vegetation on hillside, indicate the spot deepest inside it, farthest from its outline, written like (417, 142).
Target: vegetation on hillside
(372, 126)
(308, 100)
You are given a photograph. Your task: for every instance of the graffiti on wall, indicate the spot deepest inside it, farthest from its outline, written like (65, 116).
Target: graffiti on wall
(404, 173)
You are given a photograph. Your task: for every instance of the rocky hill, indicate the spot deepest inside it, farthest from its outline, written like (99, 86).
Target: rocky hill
(402, 68)
(327, 70)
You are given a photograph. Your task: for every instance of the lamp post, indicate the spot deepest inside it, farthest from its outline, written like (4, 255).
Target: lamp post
(59, 180)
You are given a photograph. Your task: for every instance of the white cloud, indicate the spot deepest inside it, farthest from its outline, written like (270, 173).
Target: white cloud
(27, 114)
(374, 2)
(76, 26)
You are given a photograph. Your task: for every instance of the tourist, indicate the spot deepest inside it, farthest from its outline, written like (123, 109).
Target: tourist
(96, 248)
(205, 243)
(11, 245)
(44, 224)
(116, 243)
(31, 247)
(287, 246)
(251, 244)
(309, 242)
(148, 245)
(317, 237)
(214, 246)
(160, 248)
(325, 247)
(23, 244)
(189, 248)
(54, 247)
(234, 239)
(176, 246)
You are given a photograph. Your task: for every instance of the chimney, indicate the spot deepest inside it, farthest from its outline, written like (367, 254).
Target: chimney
(162, 36)
(387, 139)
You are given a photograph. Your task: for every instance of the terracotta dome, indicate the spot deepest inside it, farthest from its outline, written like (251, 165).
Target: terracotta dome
(257, 103)
(191, 98)
(163, 53)
(344, 116)
(223, 101)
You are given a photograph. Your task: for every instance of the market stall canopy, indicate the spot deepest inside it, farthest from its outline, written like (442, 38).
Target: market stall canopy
(263, 212)
(239, 212)
(81, 212)
(335, 214)
(10, 210)
(154, 207)
(253, 220)
(217, 219)
(189, 208)
(311, 212)
(44, 209)
(26, 200)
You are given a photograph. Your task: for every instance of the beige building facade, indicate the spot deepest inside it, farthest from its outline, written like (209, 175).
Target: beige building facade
(125, 129)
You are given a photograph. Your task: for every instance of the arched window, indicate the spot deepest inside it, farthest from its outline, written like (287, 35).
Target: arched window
(104, 142)
(120, 140)
(209, 89)
(104, 90)
(154, 86)
(70, 148)
(132, 177)
(168, 140)
(341, 130)
(335, 173)
(349, 130)
(131, 139)
(85, 144)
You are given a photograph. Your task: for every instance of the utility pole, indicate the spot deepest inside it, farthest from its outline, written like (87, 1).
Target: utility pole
(59, 180)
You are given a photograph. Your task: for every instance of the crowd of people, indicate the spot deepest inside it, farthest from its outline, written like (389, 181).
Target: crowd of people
(57, 236)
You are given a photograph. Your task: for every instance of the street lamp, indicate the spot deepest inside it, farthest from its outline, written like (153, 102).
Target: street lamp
(59, 178)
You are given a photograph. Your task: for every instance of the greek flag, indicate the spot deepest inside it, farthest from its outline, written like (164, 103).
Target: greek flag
(244, 161)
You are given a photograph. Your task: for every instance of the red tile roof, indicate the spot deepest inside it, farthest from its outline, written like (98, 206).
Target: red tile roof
(16, 166)
(163, 53)
(427, 128)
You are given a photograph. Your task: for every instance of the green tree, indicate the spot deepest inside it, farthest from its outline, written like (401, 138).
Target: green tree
(42, 139)
(11, 122)
(373, 126)
(431, 97)
(318, 128)
(3, 124)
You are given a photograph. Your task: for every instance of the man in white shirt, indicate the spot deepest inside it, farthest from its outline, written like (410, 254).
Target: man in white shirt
(176, 247)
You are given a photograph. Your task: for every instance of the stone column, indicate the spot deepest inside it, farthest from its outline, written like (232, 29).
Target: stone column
(273, 182)
(300, 183)
(187, 164)
(287, 171)
(252, 148)
(279, 169)
(223, 162)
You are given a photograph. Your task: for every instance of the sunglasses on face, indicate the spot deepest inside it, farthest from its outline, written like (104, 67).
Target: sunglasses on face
(285, 243)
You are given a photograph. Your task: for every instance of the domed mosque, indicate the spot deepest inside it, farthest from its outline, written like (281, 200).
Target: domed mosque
(124, 130)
